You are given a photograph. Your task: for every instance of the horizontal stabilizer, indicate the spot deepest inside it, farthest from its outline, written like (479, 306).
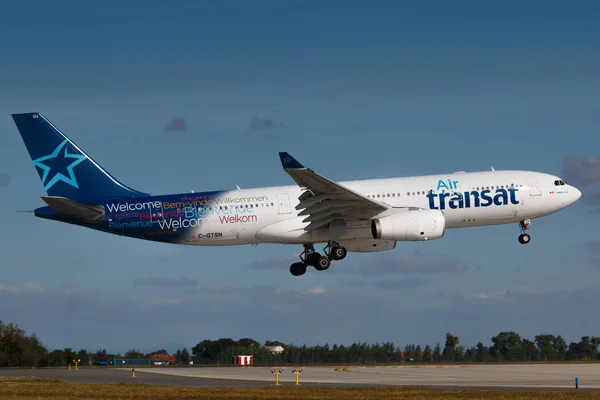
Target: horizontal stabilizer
(82, 212)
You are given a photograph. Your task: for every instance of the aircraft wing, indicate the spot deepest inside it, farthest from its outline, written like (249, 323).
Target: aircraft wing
(324, 201)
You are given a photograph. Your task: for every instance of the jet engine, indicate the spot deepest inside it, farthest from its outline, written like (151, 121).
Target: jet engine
(414, 225)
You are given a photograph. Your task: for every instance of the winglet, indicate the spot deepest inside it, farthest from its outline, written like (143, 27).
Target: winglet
(289, 162)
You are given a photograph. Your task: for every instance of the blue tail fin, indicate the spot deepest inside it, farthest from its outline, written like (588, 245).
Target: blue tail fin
(65, 170)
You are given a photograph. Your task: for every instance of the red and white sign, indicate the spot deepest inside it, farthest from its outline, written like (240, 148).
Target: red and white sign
(242, 360)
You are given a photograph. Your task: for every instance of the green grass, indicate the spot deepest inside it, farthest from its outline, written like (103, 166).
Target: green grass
(52, 389)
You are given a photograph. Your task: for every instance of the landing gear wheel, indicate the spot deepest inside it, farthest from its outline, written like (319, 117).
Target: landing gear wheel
(338, 253)
(298, 269)
(524, 238)
(312, 259)
(323, 263)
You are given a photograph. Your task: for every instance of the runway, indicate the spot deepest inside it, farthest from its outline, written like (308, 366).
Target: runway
(533, 376)
(492, 376)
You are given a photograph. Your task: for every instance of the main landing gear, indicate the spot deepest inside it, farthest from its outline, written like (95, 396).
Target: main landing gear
(524, 238)
(333, 252)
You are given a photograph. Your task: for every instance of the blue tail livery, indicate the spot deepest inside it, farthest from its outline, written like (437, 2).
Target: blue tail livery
(65, 170)
(353, 216)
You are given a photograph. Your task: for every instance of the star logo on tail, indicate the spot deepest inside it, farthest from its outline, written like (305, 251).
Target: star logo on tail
(57, 163)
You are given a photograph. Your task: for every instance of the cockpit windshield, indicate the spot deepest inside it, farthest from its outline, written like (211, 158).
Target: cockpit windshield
(559, 182)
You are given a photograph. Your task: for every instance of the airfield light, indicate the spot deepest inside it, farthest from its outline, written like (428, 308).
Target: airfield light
(276, 376)
(297, 373)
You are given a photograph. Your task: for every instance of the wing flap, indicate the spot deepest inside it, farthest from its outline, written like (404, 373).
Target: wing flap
(325, 213)
(327, 204)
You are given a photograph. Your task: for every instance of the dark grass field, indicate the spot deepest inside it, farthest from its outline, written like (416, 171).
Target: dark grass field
(39, 388)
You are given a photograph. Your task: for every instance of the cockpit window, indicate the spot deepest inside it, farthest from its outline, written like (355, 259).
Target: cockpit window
(559, 182)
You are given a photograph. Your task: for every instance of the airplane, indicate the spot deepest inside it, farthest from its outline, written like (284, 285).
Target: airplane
(350, 216)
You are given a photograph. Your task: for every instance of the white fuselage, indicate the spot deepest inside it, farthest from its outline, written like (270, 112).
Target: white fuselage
(274, 219)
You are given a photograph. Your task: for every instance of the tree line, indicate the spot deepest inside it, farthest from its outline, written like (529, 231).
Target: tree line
(505, 347)
(19, 349)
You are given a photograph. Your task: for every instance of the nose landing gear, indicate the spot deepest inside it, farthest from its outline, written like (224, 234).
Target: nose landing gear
(524, 238)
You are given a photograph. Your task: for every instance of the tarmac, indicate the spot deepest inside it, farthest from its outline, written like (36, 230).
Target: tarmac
(492, 376)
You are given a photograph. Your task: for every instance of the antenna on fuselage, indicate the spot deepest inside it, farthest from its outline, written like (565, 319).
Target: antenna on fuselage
(238, 187)
(492, 168)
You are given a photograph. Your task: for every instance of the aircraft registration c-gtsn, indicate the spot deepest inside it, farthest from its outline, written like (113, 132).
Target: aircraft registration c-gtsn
(353, 216)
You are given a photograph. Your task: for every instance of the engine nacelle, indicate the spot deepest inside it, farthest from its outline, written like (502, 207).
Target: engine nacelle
(415, 225)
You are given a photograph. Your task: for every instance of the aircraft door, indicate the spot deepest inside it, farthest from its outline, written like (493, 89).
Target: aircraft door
(283, 200)
(534, 187)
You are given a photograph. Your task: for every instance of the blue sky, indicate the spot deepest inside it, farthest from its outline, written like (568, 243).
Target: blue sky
(356, 90)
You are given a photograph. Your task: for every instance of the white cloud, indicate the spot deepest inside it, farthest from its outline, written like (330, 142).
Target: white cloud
(401, 284)
(165, 282)
(4, 179)
(162, 302)
(317, 290)
(269, 312)
(22, 289)
(583, 173)
(412, 263)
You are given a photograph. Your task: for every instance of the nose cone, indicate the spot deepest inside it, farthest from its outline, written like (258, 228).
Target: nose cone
(576, 194)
